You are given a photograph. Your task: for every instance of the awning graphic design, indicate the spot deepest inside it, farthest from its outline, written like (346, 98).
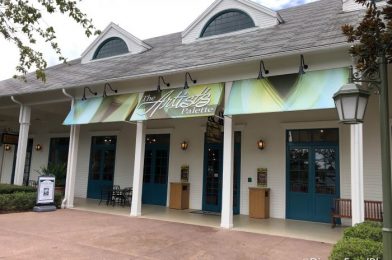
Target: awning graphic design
(197, 101)
(313, 90)
(102, 110)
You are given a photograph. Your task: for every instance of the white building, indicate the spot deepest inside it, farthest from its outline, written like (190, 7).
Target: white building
(135, 133)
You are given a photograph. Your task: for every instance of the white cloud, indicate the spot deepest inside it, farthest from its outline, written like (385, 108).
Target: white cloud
(142, 18)
(280, 4)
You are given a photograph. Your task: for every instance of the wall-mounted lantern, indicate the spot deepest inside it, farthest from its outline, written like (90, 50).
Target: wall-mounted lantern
(260, 144)
(184, 145)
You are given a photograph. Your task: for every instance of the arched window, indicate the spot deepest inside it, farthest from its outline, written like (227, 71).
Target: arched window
(227, 21)
(111, 47)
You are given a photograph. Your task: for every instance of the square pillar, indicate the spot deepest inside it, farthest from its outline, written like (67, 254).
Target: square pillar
(228, 165)
(24, 125)
(357, 196)
(69, 195)
(136, 207)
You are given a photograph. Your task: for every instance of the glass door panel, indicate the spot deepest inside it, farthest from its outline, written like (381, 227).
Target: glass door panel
(299, 170)
(213, 178)
(108, 165)
(325, 170)
(95, 170)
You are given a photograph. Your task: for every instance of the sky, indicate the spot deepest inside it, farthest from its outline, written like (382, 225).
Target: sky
(142, 18)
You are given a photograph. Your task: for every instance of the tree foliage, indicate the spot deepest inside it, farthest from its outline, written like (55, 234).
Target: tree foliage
(372, 36)
(21, 22)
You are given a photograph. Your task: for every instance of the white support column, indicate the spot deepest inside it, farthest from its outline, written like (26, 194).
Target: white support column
(228, 164)
(69, 195)
(136, 208)
(357, 196)
(24, 122)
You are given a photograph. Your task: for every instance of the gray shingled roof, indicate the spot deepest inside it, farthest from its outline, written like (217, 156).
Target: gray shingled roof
(313, 25)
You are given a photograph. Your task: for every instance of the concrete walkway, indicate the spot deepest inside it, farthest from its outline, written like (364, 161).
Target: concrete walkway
(70, 234)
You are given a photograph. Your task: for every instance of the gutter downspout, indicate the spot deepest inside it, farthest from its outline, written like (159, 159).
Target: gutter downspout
(63, 203)
(16, 101)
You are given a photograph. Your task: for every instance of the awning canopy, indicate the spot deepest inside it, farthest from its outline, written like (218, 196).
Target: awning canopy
(197, 101)
(313, 90)
(102, 109)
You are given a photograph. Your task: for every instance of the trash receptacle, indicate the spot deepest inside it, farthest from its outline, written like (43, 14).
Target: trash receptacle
(259, 202)
(179, 195)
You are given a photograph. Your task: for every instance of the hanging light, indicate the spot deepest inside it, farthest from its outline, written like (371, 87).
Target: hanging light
(107, 85)
(84, 93)
(302, 66)
(351, 102)
(186, 86)
(160, 78)
(262, 68)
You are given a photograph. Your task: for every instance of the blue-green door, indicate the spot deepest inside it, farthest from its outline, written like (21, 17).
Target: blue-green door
(156, 169)
(102, 162)
(213, 171)
(312, 178)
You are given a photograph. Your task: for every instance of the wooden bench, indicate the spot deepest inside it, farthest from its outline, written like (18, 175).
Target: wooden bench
(342, 209)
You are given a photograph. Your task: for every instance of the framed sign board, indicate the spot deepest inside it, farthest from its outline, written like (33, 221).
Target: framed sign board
(185, 173)
(262, 174)
(11, 139)
(45, 192)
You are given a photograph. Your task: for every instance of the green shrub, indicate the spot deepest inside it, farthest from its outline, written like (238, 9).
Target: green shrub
(366, 230)
(356, 249)
(55, 170)
(8, 189)
(58, 199)
(17, 201)
(23, 201)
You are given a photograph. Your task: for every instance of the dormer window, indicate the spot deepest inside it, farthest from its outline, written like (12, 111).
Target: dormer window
(111, 47)
(227, 21)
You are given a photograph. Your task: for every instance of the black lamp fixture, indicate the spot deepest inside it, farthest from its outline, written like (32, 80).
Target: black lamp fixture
(110, 87)
(161, 79)
(302, 66)
(186, 86)
(262, 68)
(351, 101)
(84, 93)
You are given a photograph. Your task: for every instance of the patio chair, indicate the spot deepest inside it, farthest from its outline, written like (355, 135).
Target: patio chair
(105, 194)
(33, 183)
(127, 196)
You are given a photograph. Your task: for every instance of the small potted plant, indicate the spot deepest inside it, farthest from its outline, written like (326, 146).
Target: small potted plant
(55, 170)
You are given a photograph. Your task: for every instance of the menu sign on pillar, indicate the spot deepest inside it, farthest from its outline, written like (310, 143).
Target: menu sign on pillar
(45, 194)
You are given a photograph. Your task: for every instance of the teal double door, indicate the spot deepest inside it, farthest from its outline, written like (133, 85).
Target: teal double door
(102, 165)
(213, 174)
(156, 169)
(312, 176)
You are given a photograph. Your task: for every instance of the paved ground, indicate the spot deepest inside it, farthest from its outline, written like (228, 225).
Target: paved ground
(71, 234)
